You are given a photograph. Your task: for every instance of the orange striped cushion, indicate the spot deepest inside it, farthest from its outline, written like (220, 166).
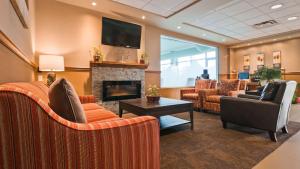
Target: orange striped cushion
(99, 115)
(91, 106)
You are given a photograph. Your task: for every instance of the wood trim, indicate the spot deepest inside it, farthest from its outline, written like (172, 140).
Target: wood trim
(291, 73)
(19, 13)
(13, 48)
(77, 69)
(118, 65)
(153, 71)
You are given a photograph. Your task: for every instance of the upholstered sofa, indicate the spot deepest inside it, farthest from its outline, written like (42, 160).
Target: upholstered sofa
(193, 94)
(33, 136)
(249, 110)
(229, 87)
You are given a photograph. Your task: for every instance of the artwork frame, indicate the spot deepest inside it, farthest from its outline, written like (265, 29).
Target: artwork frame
(276, 59)
(21, 8)
(246, 66)
(260, 60)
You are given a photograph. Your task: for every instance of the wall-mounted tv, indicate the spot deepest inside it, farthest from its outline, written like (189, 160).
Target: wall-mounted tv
(119, 33)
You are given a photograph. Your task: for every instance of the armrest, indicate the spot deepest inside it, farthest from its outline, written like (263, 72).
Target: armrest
(186, 90)
(87, 99)
(116, 144)
(250, 112)
(207, 92)
(249, 96)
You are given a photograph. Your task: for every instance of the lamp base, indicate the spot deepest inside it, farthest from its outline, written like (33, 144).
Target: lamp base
(51, 77)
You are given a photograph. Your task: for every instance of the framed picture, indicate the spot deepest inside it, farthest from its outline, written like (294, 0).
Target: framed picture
(277, 59)
(260, 60)
(246, 66)
(22, 10)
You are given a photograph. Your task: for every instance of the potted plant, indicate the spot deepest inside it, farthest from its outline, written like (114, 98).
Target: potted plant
(97, 54)
(296, 99)
(153, 94)
(267, 75)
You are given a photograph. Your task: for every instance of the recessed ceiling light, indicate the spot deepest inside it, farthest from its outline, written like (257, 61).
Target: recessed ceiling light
(249, 44)
(94, 3)
(143, 17)
(203, 34)
(274, 39)
(223, 40)
(292, 18)
(277, 6)
(178, 27)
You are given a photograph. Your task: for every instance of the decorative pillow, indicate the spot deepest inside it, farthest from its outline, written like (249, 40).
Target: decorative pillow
(202, 84)
(65, 102)
(228, 85)
(270, 91)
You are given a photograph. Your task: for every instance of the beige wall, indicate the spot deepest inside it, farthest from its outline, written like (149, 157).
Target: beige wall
(290, 50)
(72, 31)
(79, 29)
(12, 67)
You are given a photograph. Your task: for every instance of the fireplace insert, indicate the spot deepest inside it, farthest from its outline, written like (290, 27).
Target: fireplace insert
(121, 90)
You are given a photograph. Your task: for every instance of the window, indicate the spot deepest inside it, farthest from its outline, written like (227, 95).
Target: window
(181, 62)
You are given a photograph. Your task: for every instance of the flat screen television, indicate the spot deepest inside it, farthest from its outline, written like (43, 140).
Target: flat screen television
(119, 33)
(244, 75)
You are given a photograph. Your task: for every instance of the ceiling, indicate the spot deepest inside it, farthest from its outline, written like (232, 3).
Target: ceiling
(222, 21)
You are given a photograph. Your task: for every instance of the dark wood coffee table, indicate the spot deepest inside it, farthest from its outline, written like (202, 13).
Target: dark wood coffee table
(161, 110)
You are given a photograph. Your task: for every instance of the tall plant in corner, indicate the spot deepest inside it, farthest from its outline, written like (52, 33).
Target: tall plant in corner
(268, 74)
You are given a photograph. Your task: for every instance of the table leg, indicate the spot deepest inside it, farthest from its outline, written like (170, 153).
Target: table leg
(192, 119)
(120, 111)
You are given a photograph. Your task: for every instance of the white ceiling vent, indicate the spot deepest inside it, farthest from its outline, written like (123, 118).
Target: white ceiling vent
(265, 24)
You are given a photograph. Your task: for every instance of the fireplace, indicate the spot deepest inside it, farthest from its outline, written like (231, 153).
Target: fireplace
(120, 90)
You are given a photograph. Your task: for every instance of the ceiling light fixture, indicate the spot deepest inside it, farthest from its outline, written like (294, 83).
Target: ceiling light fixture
(178, 27)
(143, 17)
(223, 40)
(94, 3)
(274, 39)
(203, 34)
(277, 6)
(292, 18)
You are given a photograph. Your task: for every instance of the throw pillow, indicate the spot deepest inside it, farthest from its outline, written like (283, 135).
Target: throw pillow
(65, 102)
(270, 91)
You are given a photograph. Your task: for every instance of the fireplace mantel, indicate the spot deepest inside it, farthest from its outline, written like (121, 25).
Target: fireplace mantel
(118, 65)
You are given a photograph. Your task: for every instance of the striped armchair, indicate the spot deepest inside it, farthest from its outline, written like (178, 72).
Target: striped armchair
(33, 136)
(194, 95)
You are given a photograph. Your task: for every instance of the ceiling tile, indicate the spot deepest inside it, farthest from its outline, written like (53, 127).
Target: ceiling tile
(236, 8)
(286, 12)
(252, 13)
(134, 3)
(258, 3)
(286, 4)
(258, 20)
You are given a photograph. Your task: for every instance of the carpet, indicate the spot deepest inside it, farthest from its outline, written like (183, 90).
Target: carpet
(210, 146)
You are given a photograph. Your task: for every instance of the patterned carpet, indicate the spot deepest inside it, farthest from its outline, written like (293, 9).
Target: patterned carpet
(210, 146)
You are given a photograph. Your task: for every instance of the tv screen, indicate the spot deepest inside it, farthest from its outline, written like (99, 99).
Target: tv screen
(244, 75)
(119, 33)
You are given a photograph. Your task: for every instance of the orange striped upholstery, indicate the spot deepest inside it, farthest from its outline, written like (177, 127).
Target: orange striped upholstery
(91, 106)
(32, 136)
(87, 99)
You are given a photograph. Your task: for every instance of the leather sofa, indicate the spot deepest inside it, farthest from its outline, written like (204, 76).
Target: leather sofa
(33, 136)
(249, 110)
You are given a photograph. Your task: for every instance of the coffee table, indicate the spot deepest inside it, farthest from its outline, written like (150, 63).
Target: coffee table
(161, 110)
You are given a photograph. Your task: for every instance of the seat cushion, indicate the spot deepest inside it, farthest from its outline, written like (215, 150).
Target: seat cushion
(214, 98)
(64, 100)
(99, 115)
(190, 96)
(91, 106)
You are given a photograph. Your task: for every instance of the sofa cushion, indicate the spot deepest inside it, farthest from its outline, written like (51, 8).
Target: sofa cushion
(91, 106)
(190, 96)
(229, 85)
(65, 102)
(99, 115)
(213, 98)
(270, 91)
(202, 84)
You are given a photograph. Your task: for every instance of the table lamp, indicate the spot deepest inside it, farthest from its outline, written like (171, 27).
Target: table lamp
(51, 64)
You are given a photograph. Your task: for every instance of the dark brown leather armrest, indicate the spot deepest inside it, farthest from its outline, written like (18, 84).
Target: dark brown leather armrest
(249, 96)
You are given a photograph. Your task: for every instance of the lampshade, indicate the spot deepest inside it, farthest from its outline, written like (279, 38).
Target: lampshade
(51, 63)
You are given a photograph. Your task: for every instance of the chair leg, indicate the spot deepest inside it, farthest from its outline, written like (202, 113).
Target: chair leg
(224, 124)
(273, 136)
(285, 130)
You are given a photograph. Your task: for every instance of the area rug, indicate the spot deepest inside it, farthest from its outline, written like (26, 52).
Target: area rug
(210, 146)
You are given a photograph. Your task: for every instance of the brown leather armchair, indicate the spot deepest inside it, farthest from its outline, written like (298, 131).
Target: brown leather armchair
(249, 110)
(193, 95)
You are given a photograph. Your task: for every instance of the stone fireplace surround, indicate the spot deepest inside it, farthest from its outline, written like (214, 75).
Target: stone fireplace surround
(115, 72)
